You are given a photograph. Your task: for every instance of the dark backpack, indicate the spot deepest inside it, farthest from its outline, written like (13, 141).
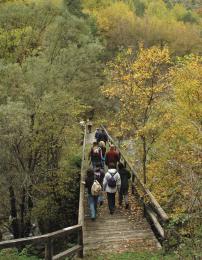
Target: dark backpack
(111, 181)
(95, 153)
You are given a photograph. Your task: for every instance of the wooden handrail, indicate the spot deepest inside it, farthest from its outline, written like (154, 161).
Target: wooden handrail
(40, 239)
(82, 188)
(158, 209)
(48, 240)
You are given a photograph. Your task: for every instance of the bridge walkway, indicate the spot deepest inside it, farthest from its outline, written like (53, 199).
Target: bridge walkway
(123, 231)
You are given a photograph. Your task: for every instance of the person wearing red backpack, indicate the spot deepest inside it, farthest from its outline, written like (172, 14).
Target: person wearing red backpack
(95, 155)
(111, 183)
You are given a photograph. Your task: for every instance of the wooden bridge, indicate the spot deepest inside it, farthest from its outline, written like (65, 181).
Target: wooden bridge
(141, 228)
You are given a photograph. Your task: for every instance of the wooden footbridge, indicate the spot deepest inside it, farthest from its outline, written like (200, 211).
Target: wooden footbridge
(141, 228)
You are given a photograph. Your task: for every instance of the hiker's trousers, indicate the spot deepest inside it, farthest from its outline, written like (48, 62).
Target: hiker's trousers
(92, 202)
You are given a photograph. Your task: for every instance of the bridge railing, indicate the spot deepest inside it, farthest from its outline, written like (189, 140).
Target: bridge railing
(48, 239)
(81, 214)
(154, 213)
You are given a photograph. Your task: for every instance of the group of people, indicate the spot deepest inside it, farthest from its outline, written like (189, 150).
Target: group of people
(97, 181)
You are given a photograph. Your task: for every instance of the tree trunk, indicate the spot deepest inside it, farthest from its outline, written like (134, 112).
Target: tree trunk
(13, 211)
(22, 213)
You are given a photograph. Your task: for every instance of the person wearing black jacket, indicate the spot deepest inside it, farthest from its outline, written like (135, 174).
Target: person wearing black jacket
(97, 134)
(125, 176)
(102, 136)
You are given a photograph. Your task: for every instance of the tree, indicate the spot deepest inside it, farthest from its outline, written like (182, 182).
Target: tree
(139, 7)
(175, 168)
(155, 24)
(138, 84)
(43, 94)
(117, 23)
(93, 5)
(74, 6)
(163, 31)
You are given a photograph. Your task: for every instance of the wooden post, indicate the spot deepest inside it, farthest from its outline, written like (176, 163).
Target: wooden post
(80, 240)
(124, 163)
(49, 250)
(144, 210)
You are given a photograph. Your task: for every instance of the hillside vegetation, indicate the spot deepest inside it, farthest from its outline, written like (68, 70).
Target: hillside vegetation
(137, 66)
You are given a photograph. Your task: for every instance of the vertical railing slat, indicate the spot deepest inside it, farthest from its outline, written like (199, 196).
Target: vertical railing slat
(49, 249)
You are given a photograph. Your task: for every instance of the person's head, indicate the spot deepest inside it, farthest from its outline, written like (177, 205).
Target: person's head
(112, 165)
(120, 166)
(102, 143)
(97, 169)
(112, 147)
(103, 131)
(90, 173)
(94, 144)
(97, 166)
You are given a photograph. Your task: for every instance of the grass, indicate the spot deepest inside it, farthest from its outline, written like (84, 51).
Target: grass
(13, 254)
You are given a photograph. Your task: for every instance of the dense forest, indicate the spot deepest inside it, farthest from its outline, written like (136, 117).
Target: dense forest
(137, 65)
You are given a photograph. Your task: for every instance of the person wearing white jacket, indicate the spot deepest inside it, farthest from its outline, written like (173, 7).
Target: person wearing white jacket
(111, 183)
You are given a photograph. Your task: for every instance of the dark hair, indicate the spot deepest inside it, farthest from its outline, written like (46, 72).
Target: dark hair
(120, 165)
(90, 172)
(98, 165)
(95, 143)
(97, 170)
(112, 165)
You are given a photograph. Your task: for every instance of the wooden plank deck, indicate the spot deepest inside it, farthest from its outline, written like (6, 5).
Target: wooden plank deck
(124, 230)
(119, 232)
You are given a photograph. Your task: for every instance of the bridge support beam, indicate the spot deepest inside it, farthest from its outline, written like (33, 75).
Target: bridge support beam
(49, 250)
(80, 242)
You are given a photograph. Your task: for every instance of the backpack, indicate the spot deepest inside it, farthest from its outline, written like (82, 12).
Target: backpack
(111, 181)
(96, 188)
(95, 153)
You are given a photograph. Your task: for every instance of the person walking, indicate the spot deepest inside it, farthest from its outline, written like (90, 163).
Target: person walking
(119, 154)
(97, 134)
(92, 199)
(103, 148)
(95, 155)
(112, 156)
(111, 183)
(99, 176)
(89, 125)
(103, 136)
(125, 176)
